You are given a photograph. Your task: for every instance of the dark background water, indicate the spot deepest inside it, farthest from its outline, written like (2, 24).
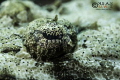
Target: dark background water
(42, 2)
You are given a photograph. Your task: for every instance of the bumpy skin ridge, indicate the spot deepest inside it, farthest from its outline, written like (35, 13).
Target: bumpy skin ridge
(47, 39)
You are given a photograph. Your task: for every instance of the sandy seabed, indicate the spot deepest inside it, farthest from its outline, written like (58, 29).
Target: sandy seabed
(97, 52)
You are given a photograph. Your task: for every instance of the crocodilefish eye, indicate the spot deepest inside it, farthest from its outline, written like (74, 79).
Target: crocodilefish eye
(46, 39)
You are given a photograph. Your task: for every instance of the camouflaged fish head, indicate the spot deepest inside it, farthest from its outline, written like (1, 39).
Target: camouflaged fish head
(47, 39)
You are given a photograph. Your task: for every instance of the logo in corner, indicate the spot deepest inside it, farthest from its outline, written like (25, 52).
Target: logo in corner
(102, 5)
(94, 5)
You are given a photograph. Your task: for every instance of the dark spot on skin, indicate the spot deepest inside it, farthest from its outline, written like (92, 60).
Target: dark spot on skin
(84, 46)
(85, 40)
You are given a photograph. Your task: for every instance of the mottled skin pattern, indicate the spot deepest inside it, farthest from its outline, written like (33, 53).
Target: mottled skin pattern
(47, 39)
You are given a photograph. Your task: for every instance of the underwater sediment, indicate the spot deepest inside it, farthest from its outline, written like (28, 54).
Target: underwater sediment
(80, 43)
